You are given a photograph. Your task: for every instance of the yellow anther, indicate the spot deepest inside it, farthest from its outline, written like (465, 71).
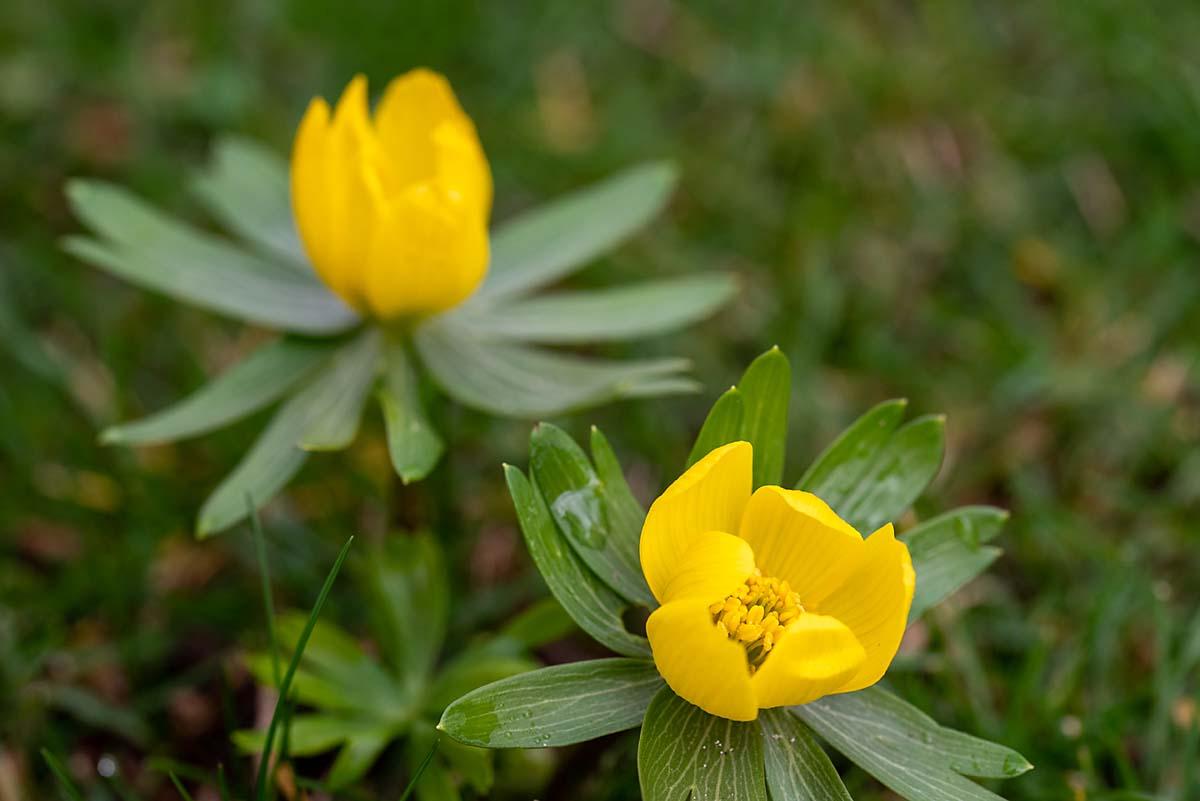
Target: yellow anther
(756, 615)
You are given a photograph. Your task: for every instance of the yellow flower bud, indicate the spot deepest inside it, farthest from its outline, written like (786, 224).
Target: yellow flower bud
(393, 209)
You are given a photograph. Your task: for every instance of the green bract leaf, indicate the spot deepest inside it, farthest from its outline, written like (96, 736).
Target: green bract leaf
(334, 421)
(685, 753)
(143, 246)
(518, 381)
(874, 471)
(248, 386)
(595, 607)
(552, 241)
(766, 389)
(906, 750)
(406, 581)
(949, 550)
(798, 769)
(412, 443)
(245, 186)
(557, 705)
(357, 755)
(722, 426)
(576, 497)
(604, 315)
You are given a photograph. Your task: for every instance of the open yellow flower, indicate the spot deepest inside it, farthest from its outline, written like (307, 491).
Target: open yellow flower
(393, 209)
(768, 599)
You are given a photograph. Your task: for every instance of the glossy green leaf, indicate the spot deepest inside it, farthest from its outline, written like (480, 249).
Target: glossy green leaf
(625, 512)
(408, 590)
(766, 390)
(874, 471)
(906, 750)
(604, 315)
(722, 426)
(518, 381)
(334, 422)
(837, 472)
(250, 385)
(950, 550)
(557, 705)
(552, 241)
(413, 444)
(245, 186)
(797, 768)
(145, 247)
(575, 495)
(686, 754)
(596, 608)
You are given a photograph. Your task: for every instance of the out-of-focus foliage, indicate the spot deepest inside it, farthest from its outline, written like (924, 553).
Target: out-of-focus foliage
(990, 209)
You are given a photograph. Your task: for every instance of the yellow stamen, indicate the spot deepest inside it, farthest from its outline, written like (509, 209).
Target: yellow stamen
(756, 615)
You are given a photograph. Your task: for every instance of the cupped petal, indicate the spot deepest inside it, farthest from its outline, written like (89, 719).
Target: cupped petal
(702, 665)
(355, 200)
(427, 254)
(713, 568)
(709, 496)
(462, 165)
(816, 656)
(309, 195)
(797, 537)
(413, 107)
(873, 603)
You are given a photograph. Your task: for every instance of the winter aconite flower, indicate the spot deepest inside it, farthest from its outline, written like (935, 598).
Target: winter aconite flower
(768, 599)
(393, 208)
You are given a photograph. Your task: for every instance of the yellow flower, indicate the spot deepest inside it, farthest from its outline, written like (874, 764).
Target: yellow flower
(768, 599)
(393, 209)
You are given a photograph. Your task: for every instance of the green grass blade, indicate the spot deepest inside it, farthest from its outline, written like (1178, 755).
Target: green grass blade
(260, 548)
(420, 770)
(183, 793)
(60, 773)
(260, 780)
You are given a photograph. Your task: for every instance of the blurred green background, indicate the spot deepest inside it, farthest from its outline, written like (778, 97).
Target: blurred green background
(991, 209)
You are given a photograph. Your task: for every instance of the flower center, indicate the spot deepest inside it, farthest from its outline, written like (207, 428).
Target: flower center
(756, 615)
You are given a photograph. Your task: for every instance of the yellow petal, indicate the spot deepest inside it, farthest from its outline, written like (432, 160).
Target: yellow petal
(413, 107)
(354, 196)
(462, 166)
(713, 568)
(797, 537)
(816, 656)
(873, 602)
(710, 496)
(309, 197)
(702, 665)
(427, 255)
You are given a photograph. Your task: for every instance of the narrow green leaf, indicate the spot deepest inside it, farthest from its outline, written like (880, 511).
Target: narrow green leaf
(687, 754)
(475, 764)
(433, 782)
(553, 706)
(518, 381)
(412, 443)
(264, 576)
(595, 607)
(60, 773)
(144, 246)
(625, 512)
(552, 241)
(406, 583)
(902, 470)
(250, 385)
(334, 422)
(357, 756)
(604, 315)
(839, 469)
(906, 750)
(307, 734)
(766, 390)
(245, 186)
(798, 769)
(722, 426)
(950, 550)
(183, 793)
(260, 779)
(543, 622)
(571, 488)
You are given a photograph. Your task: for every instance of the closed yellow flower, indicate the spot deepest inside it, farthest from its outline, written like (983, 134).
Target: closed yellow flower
(768, 599)
(393, 208)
